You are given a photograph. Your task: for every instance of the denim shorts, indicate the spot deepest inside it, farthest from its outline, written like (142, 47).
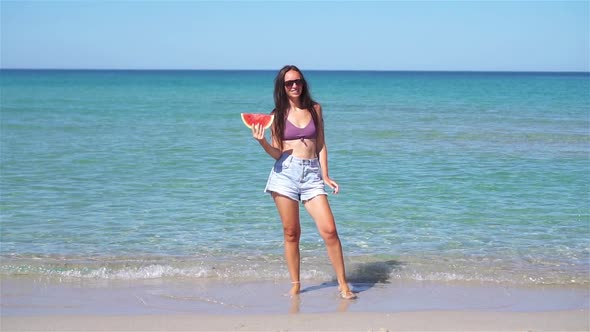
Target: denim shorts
(296, 178)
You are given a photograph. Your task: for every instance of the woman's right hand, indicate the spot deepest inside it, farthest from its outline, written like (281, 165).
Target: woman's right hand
(258, 132)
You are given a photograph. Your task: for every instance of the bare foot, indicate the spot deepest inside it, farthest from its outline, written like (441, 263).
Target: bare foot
(346, 293)
(295, 288)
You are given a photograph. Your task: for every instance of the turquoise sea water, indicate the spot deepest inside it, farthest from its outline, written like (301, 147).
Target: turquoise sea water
(151, 174)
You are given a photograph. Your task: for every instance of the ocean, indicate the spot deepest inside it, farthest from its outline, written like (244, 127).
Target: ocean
(445, 176)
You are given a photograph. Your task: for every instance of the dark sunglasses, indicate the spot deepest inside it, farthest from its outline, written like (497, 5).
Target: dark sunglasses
(289, 84)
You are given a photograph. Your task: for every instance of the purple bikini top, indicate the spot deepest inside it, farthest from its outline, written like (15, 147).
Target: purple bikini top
(292, 132)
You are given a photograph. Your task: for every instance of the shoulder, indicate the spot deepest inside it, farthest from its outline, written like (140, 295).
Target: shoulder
(318, 108)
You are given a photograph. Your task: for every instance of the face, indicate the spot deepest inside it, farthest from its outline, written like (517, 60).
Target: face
(293, 83)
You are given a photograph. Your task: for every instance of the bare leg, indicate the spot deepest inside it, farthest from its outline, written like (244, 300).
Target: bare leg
(289, 213)
(319, 209)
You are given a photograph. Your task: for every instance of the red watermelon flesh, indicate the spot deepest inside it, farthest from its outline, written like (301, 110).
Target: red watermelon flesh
(250, 119)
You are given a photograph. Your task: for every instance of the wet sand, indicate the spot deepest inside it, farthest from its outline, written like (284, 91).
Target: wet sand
(186, 304)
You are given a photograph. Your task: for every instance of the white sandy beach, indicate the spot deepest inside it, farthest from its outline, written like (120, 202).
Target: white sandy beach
(350, 321)
(189, 305)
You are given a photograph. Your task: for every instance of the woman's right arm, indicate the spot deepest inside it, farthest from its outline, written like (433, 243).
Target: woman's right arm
(272, 150)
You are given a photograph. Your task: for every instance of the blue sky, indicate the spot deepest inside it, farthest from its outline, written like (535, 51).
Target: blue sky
(462, 35)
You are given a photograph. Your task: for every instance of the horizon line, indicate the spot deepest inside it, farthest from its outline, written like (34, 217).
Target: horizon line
(334, 70)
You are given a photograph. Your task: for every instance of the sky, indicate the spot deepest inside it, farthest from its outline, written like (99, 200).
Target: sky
(331, 35)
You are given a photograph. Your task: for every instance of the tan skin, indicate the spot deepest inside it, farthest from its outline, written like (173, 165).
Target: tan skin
(318, 207)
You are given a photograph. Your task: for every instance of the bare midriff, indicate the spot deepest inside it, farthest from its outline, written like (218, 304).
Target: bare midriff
(301, 148)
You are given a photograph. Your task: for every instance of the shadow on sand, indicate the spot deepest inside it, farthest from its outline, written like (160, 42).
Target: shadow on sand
(364, 276)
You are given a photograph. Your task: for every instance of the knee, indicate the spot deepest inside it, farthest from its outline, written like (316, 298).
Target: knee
(329, 234)
(291, 234)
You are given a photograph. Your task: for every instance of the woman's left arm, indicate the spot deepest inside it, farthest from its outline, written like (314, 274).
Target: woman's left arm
(323, 152)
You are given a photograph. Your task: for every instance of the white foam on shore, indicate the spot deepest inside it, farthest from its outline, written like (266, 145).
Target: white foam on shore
(359, 269)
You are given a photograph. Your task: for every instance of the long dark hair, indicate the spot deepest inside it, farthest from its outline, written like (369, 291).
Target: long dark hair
(282, 104)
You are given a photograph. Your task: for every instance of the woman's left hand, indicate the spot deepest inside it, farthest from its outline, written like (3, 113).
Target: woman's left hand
(332, 184)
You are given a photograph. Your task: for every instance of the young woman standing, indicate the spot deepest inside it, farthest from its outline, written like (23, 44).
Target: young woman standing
(300, 172)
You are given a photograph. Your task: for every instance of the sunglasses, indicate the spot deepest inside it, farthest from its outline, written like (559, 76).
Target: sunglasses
(289, 84)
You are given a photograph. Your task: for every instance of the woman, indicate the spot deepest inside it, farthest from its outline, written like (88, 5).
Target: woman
(300, 171)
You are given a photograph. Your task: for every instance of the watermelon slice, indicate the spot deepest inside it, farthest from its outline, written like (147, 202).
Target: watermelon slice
(250, 119)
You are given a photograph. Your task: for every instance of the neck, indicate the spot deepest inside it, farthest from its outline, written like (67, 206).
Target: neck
(295, 104)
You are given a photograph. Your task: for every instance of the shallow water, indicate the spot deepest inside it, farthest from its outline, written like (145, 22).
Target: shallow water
(149, 174)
